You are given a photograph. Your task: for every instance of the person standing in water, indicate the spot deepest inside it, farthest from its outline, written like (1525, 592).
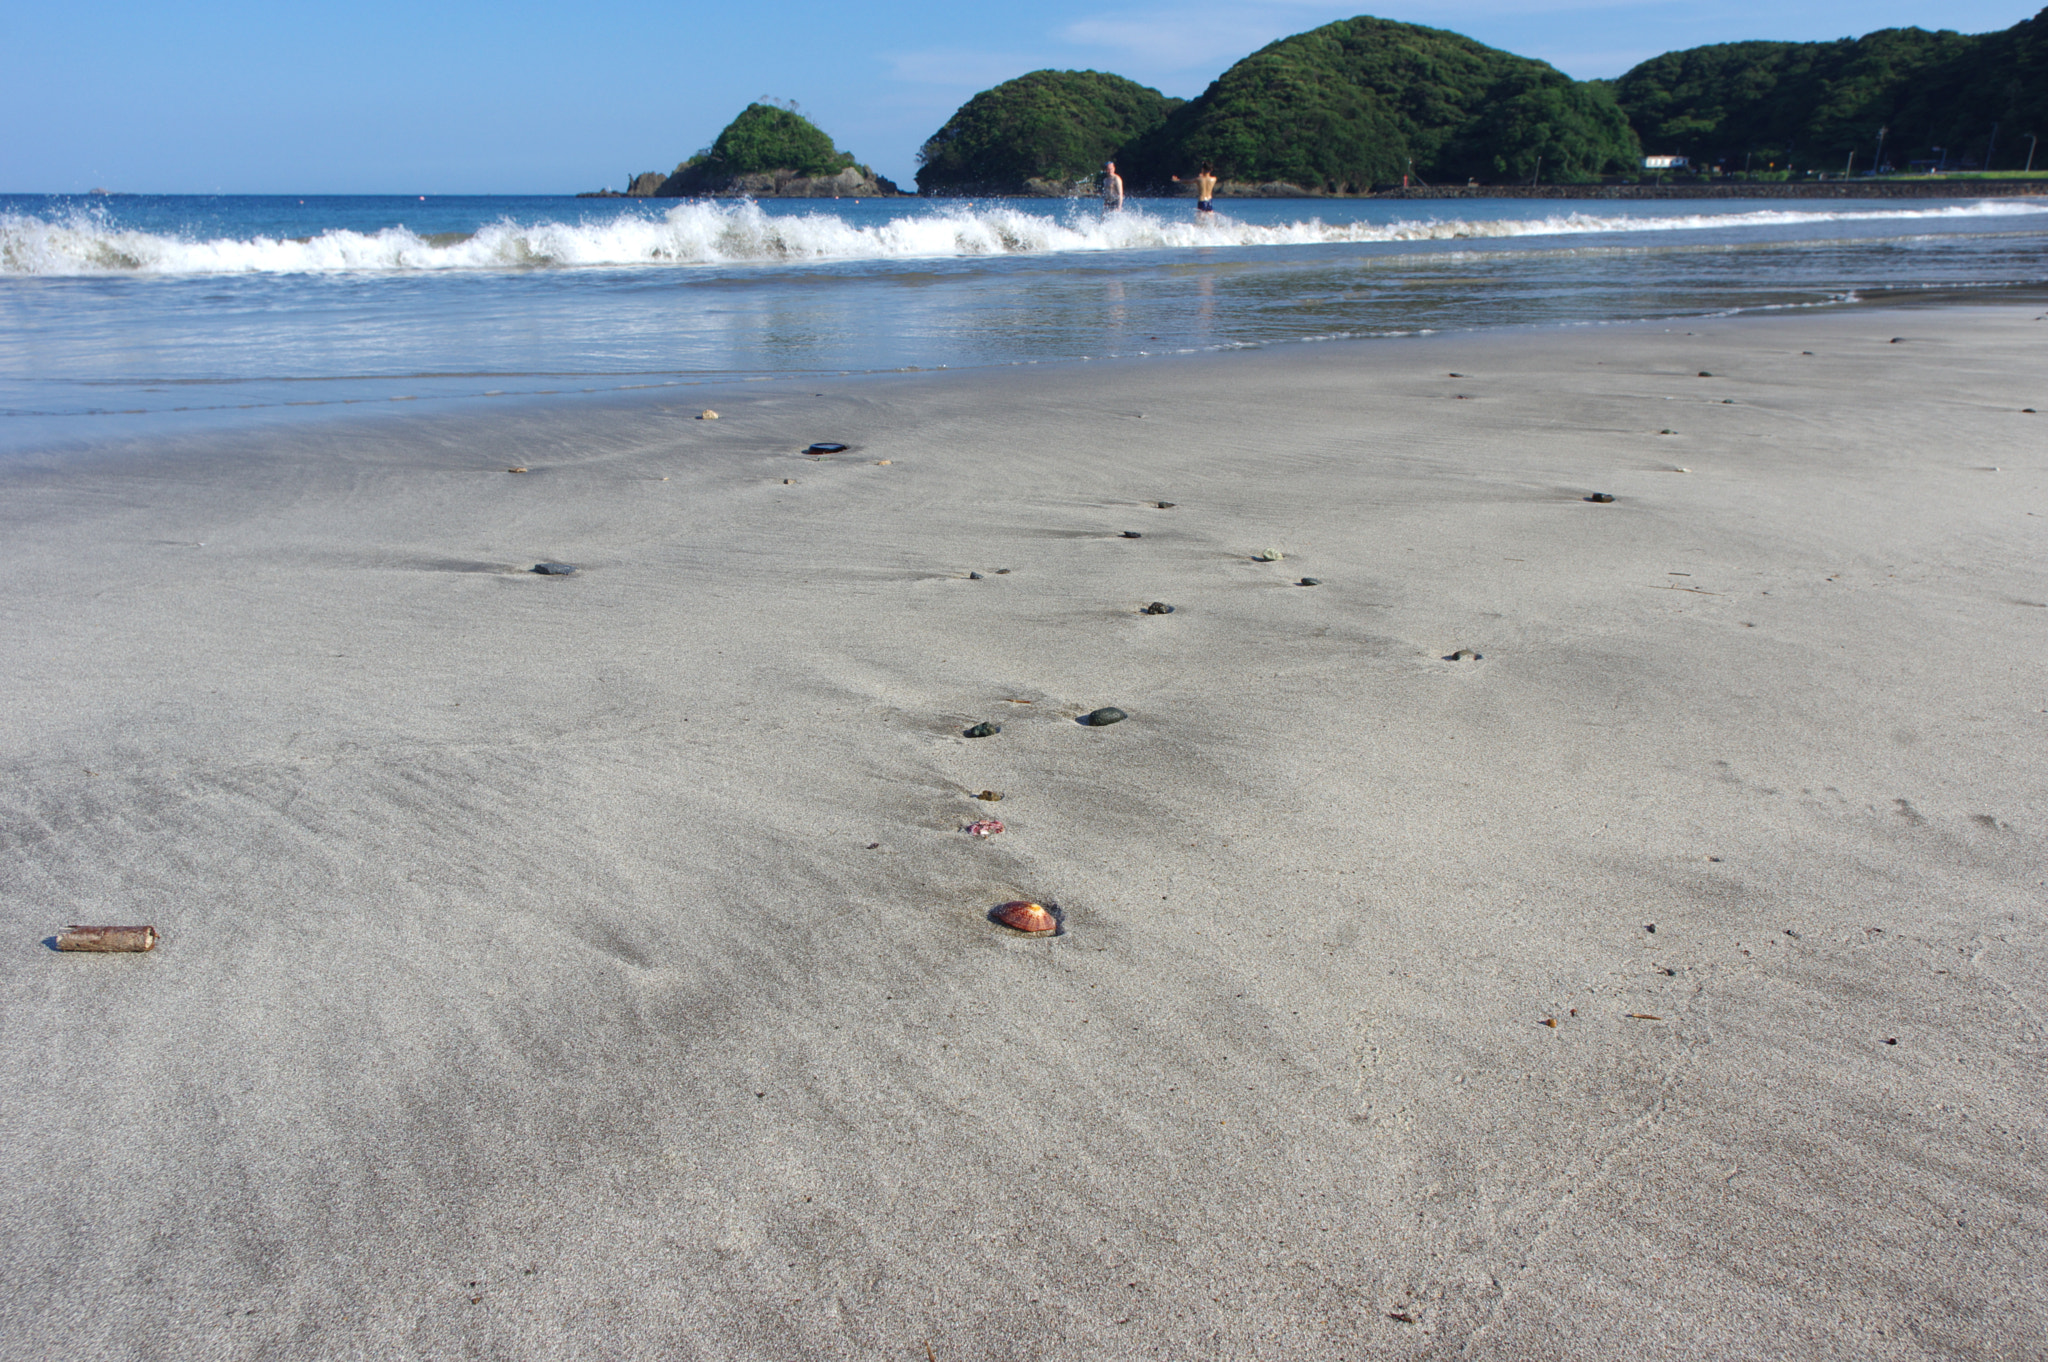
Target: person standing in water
(1205, 191)
(1112, 188)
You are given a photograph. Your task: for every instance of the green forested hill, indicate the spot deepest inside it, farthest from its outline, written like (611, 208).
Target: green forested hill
(765, 137)
(1813, 103)
(1048, 125)
(1355, 102)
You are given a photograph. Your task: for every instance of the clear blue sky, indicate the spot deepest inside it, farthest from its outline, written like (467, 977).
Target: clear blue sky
(434, 96)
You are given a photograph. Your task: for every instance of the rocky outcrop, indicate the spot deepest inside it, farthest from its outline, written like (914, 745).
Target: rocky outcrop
(698, 181)
(645, 185)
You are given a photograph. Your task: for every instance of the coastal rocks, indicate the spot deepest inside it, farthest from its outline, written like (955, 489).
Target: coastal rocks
(982, 730)
(642, 186)
(1102, 718)
(850, 183)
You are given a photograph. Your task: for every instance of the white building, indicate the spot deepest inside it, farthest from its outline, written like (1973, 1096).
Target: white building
(1664, 163)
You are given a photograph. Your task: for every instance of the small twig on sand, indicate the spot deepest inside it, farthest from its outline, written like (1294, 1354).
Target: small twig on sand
(1693, 589)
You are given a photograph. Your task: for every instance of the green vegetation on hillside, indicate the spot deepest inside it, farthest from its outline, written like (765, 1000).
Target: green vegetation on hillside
(1811, 104)
(1048, 125)
(1366, 100)
(768, 137)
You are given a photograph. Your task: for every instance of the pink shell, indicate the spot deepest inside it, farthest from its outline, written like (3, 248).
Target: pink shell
(1025, 916)
(987, 827)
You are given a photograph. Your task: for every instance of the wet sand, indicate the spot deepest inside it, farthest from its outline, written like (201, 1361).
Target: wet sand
(593, 966)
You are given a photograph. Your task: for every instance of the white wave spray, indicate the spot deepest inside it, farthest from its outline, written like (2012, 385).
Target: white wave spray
(700, 233)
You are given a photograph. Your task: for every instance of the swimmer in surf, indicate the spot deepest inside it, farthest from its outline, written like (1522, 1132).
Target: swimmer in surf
(1205, 191)
(1112, 188)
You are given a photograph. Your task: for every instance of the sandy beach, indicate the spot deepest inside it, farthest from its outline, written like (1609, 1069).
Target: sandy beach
(594, 966)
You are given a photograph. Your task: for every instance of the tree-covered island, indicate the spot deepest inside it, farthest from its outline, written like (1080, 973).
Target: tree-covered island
(772, 149)
(1048, 132)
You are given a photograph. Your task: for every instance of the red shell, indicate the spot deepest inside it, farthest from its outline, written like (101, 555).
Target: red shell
(1026, 916)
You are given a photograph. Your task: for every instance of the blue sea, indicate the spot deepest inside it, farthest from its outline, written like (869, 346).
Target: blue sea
(124, 315)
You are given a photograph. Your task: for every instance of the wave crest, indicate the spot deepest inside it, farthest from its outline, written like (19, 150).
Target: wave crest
(699, 233)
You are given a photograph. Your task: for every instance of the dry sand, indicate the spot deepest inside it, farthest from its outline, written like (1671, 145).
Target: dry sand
(594, 967)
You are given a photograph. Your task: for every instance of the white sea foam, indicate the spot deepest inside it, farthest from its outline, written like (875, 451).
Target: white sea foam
(699, 233)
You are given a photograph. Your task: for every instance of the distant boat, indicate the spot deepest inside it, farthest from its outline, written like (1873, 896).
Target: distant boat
(99, 191)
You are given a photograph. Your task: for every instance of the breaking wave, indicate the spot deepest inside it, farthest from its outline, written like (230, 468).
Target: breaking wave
(699, 233)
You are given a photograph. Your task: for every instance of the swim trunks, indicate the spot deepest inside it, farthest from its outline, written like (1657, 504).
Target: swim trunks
(1205, 206)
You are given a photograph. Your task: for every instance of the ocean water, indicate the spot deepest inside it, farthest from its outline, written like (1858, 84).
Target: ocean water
(131, 314)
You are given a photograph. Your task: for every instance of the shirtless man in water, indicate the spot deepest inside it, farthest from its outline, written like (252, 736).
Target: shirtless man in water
(1205, 190)
(1112, 188)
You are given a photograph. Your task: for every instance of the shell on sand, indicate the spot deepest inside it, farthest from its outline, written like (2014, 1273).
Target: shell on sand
(1025, 916)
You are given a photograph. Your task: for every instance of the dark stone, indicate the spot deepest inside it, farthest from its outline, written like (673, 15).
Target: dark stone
(974, 577)
(1132, 534)
(1002, 572)
(554, 569)
(983, 731)
(1157, 608)
(1602, 497)
(1164, 505)
(827, 447)
(1463, 655)
(1310, 581)
(1101, 718)
(1705, 374)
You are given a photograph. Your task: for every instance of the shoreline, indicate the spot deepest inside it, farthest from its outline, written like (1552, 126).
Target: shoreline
(593, 965)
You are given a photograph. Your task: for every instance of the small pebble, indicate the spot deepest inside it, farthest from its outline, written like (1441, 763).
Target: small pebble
(1108, 714)
(992, 796)
(983, 730)
(515, 470)
(1463, 655)
(1602, 497)
(553, 569)
(986, 827)
(1268, 556)
(1705, 374)
(707, 415)
(786, 482)
(1667, 431)
(883, 463)
(1310, 581)
(1157, 608)
(2028, 411)
(1001, 572)
(975, 577)
(1132, 534)
(1168, 505)
(1897, 339)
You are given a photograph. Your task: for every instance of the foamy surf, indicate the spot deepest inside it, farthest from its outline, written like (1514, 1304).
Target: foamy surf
(82, 242)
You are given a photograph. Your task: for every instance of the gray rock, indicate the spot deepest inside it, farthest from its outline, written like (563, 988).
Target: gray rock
(1102, 718)
(983, 730)
(554, 569)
